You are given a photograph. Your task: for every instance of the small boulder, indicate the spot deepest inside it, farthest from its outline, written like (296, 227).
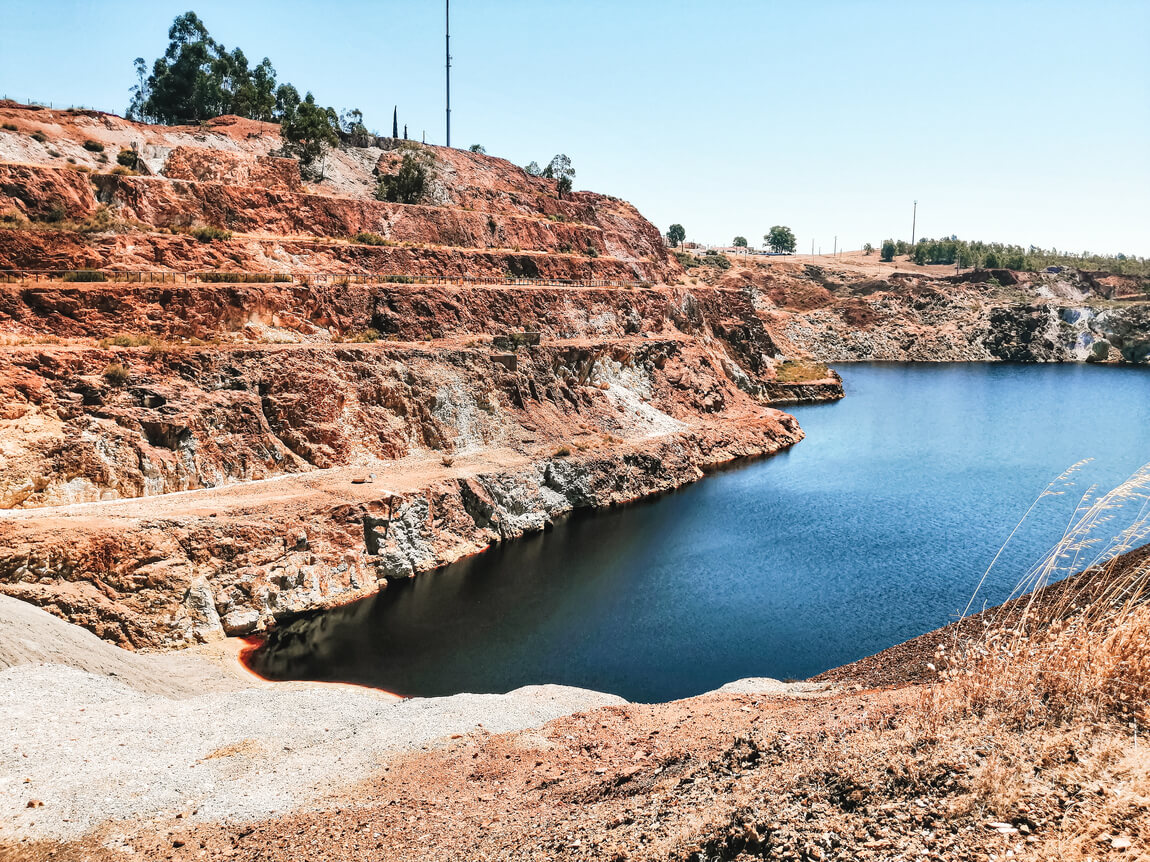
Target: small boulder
(241, 621)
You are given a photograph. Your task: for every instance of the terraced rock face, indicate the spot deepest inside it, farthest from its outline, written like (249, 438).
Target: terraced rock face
(321, 469)
(464, 448)
(181, 459)
(480, 215)
(230, 383)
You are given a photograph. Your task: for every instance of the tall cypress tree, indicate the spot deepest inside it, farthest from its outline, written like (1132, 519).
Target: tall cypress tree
(395, 122)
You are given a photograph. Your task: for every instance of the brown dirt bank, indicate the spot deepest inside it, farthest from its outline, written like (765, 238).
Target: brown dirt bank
(66, 207)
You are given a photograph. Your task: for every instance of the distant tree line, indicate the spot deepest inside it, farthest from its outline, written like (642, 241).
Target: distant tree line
(996, 255)
(780, 239)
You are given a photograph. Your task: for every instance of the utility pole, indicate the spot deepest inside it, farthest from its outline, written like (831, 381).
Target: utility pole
(447, 44)
(913, 223)
(835, 248)
(812, 248)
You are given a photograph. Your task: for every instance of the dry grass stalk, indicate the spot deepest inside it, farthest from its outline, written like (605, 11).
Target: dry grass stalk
(1078, 653)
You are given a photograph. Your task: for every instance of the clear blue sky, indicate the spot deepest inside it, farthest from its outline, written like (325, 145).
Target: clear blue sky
(1023, 122)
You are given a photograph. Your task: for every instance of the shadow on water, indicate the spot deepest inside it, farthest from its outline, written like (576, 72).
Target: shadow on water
(872, 530)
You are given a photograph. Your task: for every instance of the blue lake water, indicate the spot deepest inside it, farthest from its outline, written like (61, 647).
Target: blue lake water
(872, 530)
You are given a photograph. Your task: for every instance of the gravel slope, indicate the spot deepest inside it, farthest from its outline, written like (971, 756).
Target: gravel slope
(95, 733)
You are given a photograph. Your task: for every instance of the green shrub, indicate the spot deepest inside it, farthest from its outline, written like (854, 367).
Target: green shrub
(116, 374)
(512, 341)
(39, 136)
(713, 258)
(364, 336)
(93, 146)
(410, 183)
(99, 221)
(123, 171)
(399, 279)
(127, 158)
(85, 275)
(562, 452)
(369, 238)
(11, 127)
(129, 340)
(686, 259)
(210, 233)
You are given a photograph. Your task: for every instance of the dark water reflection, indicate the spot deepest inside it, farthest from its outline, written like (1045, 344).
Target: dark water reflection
(872, 530)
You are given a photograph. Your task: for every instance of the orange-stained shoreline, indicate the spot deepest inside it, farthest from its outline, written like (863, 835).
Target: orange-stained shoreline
(241, 649)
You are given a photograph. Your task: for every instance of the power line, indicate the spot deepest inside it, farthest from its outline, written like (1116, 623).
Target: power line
(447, 51)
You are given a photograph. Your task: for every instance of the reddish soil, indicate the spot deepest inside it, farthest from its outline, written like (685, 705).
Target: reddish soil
(482, 216)
(249, 451)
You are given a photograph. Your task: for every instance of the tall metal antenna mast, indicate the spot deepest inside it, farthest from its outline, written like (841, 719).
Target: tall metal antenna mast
(448, 47)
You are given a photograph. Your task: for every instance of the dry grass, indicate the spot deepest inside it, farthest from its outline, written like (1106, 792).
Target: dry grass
(1064, 679)
(102, 220)
(130, 339)
(1092, 668)
(360, 336)
(801, 371)
(1030, 745)
(1081, 656)
(116, 374)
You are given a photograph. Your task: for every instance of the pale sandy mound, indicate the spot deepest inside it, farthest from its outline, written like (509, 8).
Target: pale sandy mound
(96, 733)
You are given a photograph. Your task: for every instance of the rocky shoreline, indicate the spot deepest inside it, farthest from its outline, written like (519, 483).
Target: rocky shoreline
(148, 573)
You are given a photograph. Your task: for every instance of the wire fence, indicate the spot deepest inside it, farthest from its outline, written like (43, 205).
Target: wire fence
(95, 276)
(35, 103)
